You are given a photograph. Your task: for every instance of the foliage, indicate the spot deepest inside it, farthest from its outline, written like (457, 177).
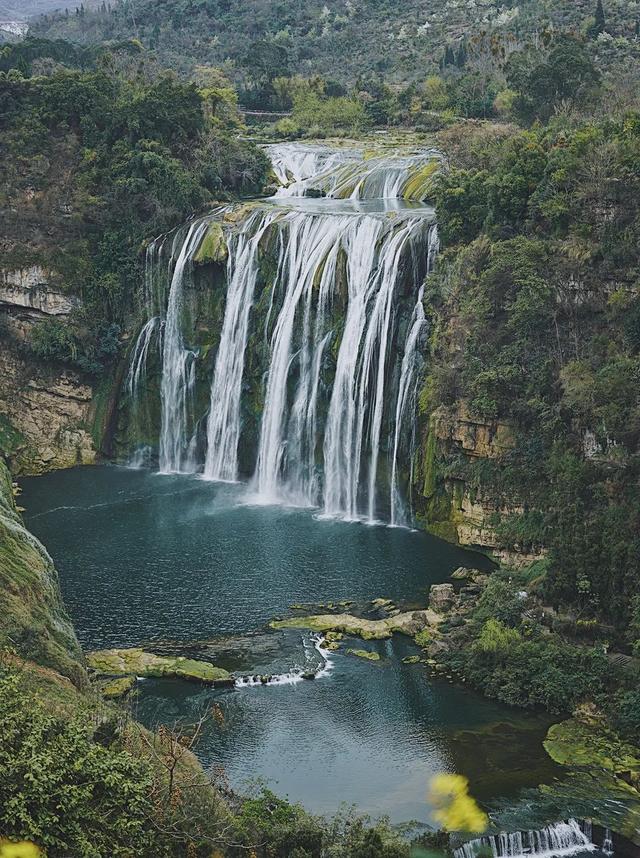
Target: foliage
(85, 799)
(110, 156)
(287, 830)
(542, 335)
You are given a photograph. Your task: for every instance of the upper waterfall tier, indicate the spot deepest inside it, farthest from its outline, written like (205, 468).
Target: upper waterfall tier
(339, 173)
(282, 339)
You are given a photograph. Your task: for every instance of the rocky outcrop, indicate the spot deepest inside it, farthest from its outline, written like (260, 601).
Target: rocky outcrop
(29, 289)
(33, 622)
(471, 436)
(442, 597)
(136, 662)
(46, 411)
(408, 623)
(46, 414)
(454, 509)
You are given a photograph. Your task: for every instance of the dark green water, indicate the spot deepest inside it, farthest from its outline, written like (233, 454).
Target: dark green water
(144, 558)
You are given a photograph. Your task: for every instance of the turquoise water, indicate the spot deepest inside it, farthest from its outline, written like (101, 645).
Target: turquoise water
(175, 562)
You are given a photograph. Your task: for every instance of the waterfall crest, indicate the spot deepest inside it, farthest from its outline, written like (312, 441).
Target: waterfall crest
(315, 170)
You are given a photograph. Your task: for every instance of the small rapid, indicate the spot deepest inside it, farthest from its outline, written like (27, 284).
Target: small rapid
(554, 841)
(297, 674)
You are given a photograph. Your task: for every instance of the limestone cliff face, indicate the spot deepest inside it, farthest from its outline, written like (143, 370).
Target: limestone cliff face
(455, 509)
(46, 412)
(33, 622)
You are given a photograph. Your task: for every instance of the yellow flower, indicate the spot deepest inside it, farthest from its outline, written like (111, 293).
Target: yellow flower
(454, 808)
(23, 849)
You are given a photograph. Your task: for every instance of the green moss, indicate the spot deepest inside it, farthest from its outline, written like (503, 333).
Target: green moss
(429, 460)
(423, 638)
(364, 653)
(136, 662)
(411, 659)
(213, 247)
(33, 621)
(418, 186)
(10, 438)
(117, 688)
(574, 743)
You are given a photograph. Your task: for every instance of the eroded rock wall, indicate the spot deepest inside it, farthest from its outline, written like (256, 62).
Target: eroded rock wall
(46, 411)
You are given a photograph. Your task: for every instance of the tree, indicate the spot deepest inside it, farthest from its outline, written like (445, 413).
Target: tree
(566, 75)
(599, 22)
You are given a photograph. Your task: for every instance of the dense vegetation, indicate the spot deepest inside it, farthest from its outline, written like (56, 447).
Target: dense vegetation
(98, 153)
(518, 653)
(81, 779)
(340, 39)
(537, 295)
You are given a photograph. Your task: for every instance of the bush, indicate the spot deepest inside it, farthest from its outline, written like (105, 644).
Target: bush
(61, 789)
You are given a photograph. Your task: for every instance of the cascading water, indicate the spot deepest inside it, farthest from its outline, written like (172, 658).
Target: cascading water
(407, 393)
(223, 426)
(338, 345)
(178, 369)
(296, 674)
(554, 841)
(310, 170)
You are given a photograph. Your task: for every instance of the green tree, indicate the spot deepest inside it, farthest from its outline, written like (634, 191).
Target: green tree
(599, 22)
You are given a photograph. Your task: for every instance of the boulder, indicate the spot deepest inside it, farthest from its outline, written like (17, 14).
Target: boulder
(364, 653)
(442, 597)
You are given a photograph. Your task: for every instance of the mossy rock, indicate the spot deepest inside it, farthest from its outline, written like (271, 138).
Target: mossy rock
(364, 653)
(114, 689)
(136, 662)
(411, 659)
(408, 623)
(213, 247)
(574, 743)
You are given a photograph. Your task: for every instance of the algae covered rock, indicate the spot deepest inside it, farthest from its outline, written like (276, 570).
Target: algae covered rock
(411, 659)
(137, 662)
(408, 623)
(364, 653)
(213, 247)
(574, 743)
(114, 689)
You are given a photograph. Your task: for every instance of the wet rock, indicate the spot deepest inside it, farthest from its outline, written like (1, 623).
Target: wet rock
(411, 659)
(115, 689)
(462, 573)
(137, 662)
(408, 623)
(364, 653)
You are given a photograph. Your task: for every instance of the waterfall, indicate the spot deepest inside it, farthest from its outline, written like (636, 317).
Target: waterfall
(178, 367)
(406, 398)
(223, 427)
(309, 169)
(553, 841)
(138, 360)
(296, 674)
(323, 300)
(293, 163)
(310, 251)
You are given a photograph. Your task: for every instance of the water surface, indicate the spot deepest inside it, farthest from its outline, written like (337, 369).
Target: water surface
(172, 560)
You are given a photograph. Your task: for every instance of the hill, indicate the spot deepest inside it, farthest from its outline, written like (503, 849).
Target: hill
(339, 39)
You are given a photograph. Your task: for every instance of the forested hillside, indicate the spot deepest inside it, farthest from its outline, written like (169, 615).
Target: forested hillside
(341, 39)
